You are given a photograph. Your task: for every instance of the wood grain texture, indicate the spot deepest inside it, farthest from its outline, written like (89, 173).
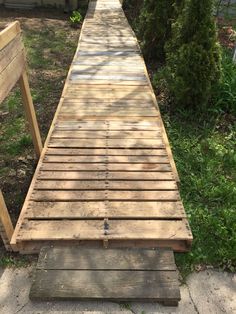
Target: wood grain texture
(92, 152)
(107, 159)
(35, 230)
(112, 209)
(64, 258)
(6, 227)
(103, 195)
(11, 74)
(114, 285)
(103, 175)
(9, 33)
(105, 185)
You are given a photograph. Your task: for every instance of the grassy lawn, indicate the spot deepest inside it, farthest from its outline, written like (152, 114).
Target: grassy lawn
(204, 148)
(204, 151)
(50, 45)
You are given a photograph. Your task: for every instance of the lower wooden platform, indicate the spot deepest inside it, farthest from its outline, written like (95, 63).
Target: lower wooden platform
(108, 274)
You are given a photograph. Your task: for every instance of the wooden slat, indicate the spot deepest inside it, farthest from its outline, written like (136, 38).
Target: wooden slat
(107, 159)
(118, 112)
(99, 143)
(111, 259)
(9, 33)
(94, 230)
(109, 185)
(102, 175)
(116, 285)
(100, 125)
(105, 167)
(11, 74)
(108, 152)
(110, 102)
(30, 113)
(113, 88)
(106, 134)
(10, 51)
(100, 195)
(6, 227)
(114, 210)
(77, 118)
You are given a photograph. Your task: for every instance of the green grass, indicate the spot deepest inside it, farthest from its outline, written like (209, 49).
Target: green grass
(224, 97)
(206, 160)
(13, 262)
(204, 148)
(47, 49)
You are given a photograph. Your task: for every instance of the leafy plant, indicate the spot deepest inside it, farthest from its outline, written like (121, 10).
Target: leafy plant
(76, 18)
(193, 55)
(154, 25)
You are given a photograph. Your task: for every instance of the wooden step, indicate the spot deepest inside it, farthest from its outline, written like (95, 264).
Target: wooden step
(109, 274)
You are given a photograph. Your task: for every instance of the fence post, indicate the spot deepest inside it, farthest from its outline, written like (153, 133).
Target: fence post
(6, 227)
(30, 113)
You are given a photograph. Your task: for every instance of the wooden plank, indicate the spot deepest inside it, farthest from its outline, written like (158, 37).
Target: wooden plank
(106, 134)
(78, 75)
(100, 209)
(34, 247)
(102, 175)
(100, 195)
(78, 118)
(72, 258)
(110, 143)
(108, 152)
(9, 52)
(9, 33)
(71, 100)
(94, 230)
(108, 82)
(105, 185)
(74, 100)
(30, 113)
(101, 125)
(116, 285)
(112, 88)
(6, 227)
(107, 159)
(114, 112)
(11, 74)
(104, 68)
(105, 167)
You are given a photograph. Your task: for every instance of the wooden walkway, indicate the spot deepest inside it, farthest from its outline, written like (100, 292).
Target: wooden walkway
(106, 175)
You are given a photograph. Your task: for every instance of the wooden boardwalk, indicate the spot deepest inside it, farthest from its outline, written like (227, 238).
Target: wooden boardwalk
(106, 175)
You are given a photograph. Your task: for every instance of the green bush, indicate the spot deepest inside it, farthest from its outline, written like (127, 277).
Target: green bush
(154, 25)
(193, 55)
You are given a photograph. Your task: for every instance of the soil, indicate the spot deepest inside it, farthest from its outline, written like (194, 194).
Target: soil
(15, 181)
(227, 35)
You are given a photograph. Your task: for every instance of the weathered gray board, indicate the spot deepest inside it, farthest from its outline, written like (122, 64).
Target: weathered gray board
(108, 274)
